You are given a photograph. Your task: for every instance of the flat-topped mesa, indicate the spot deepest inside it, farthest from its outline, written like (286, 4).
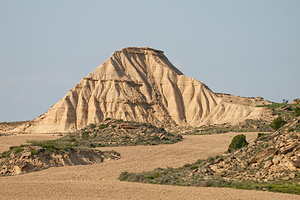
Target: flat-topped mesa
(134, 64)
(139, 84)
(146, 53)
(140, 50)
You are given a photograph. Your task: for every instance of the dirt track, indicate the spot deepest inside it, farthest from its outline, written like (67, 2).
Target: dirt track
(100, 181)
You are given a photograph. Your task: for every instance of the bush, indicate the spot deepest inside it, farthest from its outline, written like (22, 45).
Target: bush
(34, 151)
(92, 126)
(278, 123)
(102, 126)
(18, 149)
(161, 129)
(260, 135)
(237, 142)
(297, 111)
(291, 129)
(85, 135)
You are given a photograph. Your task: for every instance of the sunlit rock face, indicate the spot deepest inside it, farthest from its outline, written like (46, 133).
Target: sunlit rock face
(139, 84)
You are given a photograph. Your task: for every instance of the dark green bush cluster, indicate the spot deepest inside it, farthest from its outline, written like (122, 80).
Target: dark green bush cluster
(85, 135)
(291, 129)
(297, 111)
(260, 135)
(34, 151)
(92, 126)
(102, 126)
(237, 142)
(278, 123)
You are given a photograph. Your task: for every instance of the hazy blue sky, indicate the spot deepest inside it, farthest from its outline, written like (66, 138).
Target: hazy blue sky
(246, 48)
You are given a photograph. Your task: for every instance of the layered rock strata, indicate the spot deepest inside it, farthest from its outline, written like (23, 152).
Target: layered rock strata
(26, 161)
(139, 84)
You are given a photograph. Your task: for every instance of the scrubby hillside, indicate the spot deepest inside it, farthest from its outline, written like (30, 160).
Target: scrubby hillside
(77, 148)
(271, 163)
(116, 132)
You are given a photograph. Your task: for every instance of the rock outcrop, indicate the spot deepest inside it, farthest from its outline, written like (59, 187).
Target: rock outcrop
(26, 161)
(271, 158)
(296, 101)
(139, 84)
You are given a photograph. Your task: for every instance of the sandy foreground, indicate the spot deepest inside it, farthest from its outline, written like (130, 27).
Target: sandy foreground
(100, 181)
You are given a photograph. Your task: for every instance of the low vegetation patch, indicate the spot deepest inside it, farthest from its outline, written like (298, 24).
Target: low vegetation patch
(114, 132)
(109, 133)
(183, 177)
(286, 111)
(249, 125)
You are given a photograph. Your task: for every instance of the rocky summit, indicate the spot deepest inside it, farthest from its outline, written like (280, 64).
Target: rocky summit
(139, 84)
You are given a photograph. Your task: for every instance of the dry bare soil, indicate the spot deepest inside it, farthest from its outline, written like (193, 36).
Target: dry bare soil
(100, 181)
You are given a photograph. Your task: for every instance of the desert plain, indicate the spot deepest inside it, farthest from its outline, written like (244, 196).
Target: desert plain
(100, 181)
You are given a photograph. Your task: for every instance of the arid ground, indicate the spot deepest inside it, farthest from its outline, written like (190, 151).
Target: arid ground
(100, 181)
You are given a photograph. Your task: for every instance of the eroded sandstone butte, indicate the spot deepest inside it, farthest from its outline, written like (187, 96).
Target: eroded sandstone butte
(139, 84)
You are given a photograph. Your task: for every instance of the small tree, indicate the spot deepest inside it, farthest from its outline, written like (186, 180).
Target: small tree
(237, 142)
(278, 123)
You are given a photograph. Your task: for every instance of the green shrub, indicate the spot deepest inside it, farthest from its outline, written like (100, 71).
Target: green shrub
(102, 126)
(18, 149)
(53, 145)
(260, 135)
(297, 111)
(85, 135)
(161, 129)
(92, 126)
(291, 129)
(278, 123)
(155, 137)
(211, 160)
(107, 119)
(34, 151)
(237, 142)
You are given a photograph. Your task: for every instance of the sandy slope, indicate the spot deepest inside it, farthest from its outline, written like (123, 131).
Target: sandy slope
(100, 181)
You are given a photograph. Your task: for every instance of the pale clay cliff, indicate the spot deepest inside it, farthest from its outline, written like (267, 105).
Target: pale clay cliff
(139, 84)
